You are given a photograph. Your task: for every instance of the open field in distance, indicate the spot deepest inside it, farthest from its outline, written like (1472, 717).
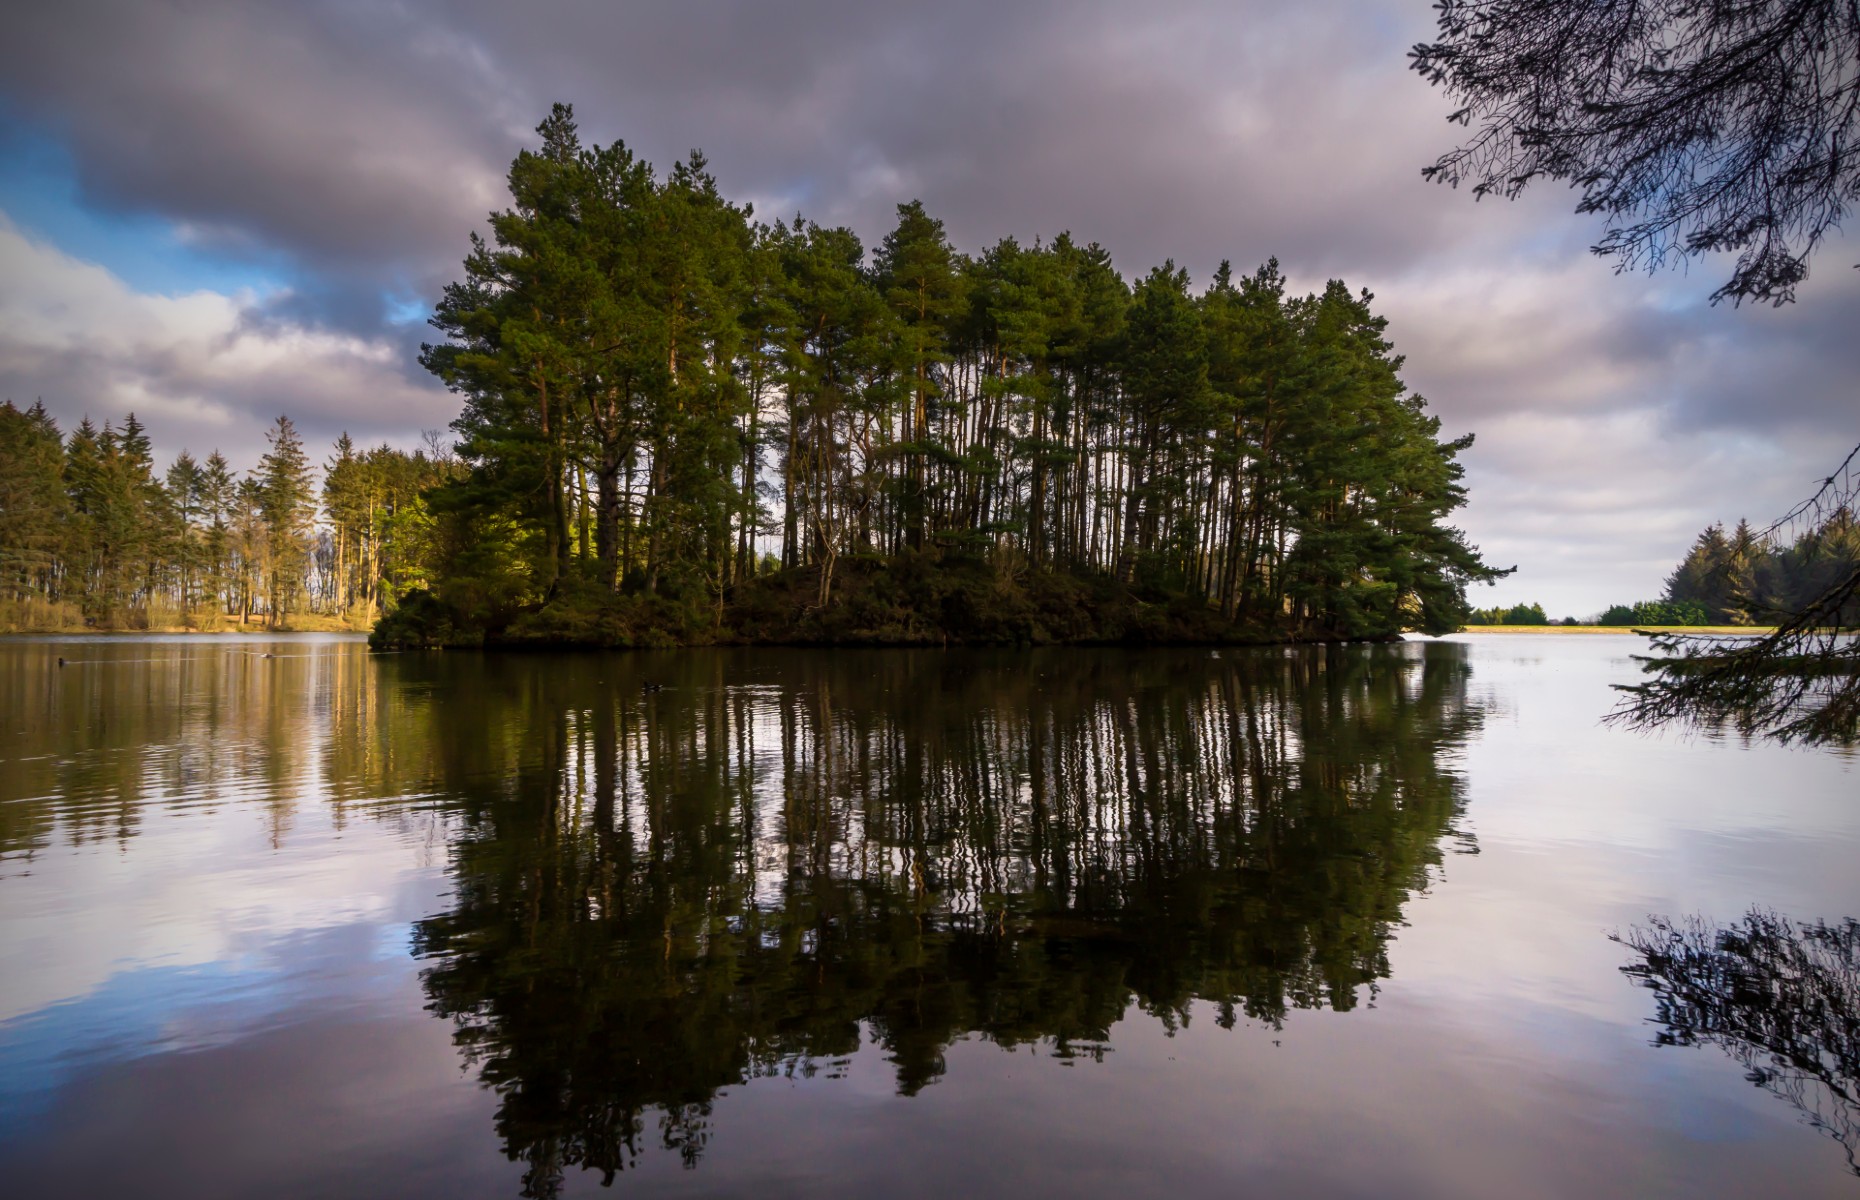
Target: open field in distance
(1750, 630)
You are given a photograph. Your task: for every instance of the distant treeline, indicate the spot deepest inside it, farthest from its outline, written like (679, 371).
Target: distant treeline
(91, 536)
(1517, 614)
(1648, 612)
(1658, 612)
(1746, 578)
(667, 403)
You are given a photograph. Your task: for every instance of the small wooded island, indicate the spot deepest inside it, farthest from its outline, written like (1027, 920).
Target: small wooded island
(1015, 447)
(683, 426)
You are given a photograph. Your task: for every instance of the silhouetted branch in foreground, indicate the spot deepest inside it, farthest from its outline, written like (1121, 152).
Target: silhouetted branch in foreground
(1799, 683)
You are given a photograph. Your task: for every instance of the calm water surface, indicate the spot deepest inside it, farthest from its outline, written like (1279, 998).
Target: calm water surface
(1378, 922)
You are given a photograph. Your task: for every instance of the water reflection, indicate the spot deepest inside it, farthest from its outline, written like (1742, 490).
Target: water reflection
(129, 730)
(675, 874)
(1780, 997)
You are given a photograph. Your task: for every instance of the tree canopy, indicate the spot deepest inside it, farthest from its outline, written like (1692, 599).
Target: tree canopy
(680, 424)
(92, 537)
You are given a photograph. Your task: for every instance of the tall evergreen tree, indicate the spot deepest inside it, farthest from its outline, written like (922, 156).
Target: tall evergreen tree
(186, 546)
(1165, 372)
(287, 508)
(920, 276)
(217, 497)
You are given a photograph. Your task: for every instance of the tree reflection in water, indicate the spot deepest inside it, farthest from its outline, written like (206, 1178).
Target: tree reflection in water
(1781, 998)
(743, 870)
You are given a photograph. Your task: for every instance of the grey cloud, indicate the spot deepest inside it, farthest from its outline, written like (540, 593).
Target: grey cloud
(362, 138)
(1171, 130)
(335, 132)
(1597, 509)
(366, 139)
(1795, 368)
(1563, 335)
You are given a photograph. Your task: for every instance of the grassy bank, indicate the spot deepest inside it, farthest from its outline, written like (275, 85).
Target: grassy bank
(37, 616)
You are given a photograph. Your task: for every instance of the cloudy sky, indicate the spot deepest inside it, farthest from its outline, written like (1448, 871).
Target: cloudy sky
(215, 211)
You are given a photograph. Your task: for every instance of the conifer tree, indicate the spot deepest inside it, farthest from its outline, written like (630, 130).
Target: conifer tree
(1165, 375)
(287, 508)
(217, 497)
(919, 274)
(186, 495)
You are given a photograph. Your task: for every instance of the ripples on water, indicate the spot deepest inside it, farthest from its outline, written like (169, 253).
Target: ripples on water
(655, 903)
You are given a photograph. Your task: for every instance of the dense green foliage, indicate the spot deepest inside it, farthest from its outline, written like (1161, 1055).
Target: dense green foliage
(1743, 578)
(90, 536)
(665, 403)
(1798, 682)
(680, 425)
(1655, 612)
(1517, 614)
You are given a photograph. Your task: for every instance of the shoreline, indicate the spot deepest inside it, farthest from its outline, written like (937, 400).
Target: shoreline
(542, 646)
(1718, 630)
(539, 645)
(107, 633)
(179, 631)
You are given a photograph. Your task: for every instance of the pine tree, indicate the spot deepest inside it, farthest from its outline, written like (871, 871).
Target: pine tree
(217, 497)
(1165, 375)
(117, 514)
(920, 276)
(186, 494)
(633, 355)
(1705, 576)
(287, 509)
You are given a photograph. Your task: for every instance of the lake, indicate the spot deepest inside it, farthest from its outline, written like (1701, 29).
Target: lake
(281, 918)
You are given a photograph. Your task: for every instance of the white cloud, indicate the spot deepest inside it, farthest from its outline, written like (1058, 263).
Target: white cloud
(203, 369)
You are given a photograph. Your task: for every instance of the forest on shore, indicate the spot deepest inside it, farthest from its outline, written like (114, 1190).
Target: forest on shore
(1746, 577)
(681, 425)
(93, 537)
(1750, 577)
